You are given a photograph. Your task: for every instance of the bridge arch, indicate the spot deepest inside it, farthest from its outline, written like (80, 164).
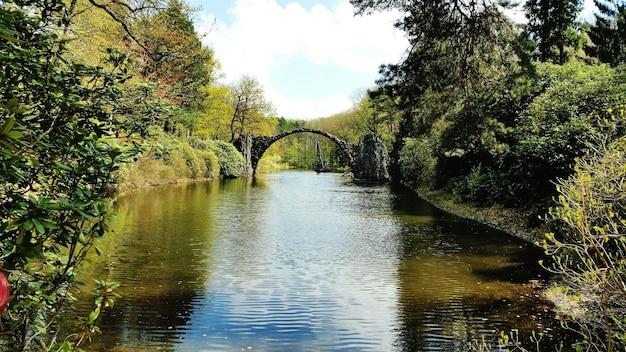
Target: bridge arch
(368, 159)
(260, 144)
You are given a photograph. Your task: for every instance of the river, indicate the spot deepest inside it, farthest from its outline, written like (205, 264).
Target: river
(299, 261)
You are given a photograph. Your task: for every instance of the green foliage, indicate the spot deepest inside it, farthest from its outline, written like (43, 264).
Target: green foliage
(553, 130)
(169, 159)
(215, 117)
(168, 52)
(295, 150)
(608, 33)
(57, 155)
(252, 112)
(552, 24)
(589, 250)
(143, 108)
(299, 150)
(482, 186)
(507, 342)
(417, 162)
(231, 161)
(104, 296)
(508, 146)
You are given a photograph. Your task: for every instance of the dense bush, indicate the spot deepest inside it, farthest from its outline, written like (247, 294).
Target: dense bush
(169, 159)
(482, 186)
(417, 163)
(231, 161)
(554, 130)
(58, 155)
(508, 147)
(589, 251)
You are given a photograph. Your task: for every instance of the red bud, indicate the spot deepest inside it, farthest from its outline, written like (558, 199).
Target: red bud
(4, 292)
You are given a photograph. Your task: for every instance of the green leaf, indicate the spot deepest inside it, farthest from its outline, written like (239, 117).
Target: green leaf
(6, 37)
(28, 224)
(15, 134)
(92, 317)
(47, 224)
(8, 125)
(38, 226)
(62, 166)
(83, 214)
(12, 104)
(41, 329)
(9, 146)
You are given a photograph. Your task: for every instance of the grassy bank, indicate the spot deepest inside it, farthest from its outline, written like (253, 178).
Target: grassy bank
(509, 220)
(167, 159)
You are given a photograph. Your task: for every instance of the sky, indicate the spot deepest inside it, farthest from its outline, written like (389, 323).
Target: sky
(313, 58)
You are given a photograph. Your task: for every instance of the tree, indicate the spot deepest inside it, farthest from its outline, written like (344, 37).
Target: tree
(608, 33)
(552, 25)
(170, 54)
(172, 65)
(250, 108)
(216, 114)
(385, 115)
(58, 153)
(92, 31)
(458, 49)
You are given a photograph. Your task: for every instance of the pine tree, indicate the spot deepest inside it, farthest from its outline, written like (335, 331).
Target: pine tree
(608, 34)
(457, 50)
(551, 24)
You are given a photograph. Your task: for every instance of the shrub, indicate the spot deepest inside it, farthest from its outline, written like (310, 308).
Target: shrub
(178, 162)
(211, 162)
(230, 159)
(417, 163)
(589, 251)
(553, 131)
(58, 153)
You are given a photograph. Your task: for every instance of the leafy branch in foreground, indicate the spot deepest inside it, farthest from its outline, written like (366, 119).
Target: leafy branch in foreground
(58, 152)
(589, 250)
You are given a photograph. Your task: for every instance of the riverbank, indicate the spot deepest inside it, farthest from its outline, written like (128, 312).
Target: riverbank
(508, 220)
(567, 302)
(152, 171)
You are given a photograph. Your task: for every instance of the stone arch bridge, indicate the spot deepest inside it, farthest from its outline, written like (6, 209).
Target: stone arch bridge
(368, 159)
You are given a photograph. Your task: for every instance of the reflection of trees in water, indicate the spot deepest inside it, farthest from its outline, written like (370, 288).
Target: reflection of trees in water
(161, 268)
(460, 281)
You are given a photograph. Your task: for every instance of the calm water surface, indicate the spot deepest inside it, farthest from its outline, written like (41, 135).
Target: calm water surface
(297, 261)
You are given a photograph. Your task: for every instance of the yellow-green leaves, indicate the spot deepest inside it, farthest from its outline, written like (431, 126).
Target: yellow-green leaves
(8, 132)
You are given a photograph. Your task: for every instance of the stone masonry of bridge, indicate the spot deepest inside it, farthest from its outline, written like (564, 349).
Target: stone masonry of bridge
(368, 160)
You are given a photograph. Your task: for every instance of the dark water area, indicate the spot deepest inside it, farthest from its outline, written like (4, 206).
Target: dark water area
(299, 261)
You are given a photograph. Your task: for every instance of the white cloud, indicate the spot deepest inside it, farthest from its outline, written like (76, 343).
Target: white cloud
(306, 109)
(517, 14)
(261, 34)
(587, 14)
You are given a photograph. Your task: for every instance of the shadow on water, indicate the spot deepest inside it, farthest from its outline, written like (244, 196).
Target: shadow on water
(160, 268)
(461, 280)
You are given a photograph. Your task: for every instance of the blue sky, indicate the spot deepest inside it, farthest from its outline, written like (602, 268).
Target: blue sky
(312, 57)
